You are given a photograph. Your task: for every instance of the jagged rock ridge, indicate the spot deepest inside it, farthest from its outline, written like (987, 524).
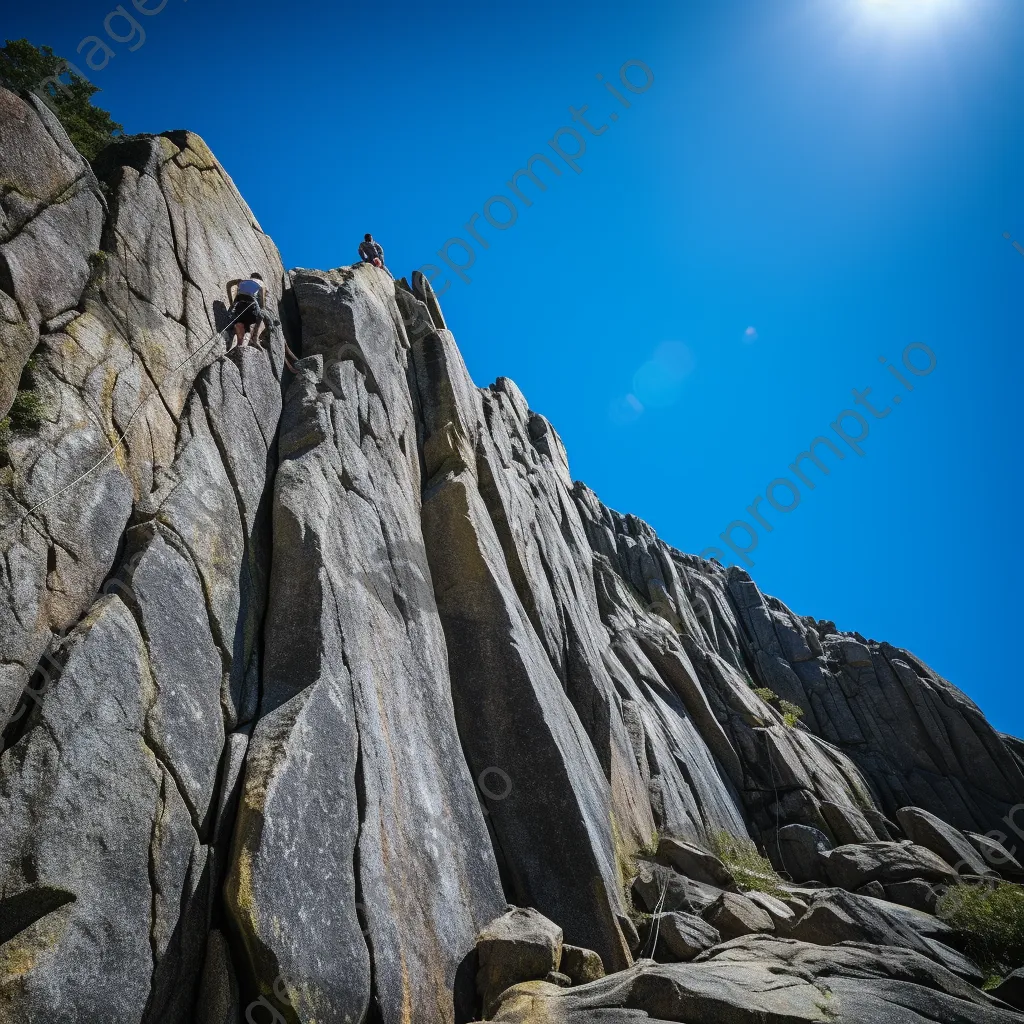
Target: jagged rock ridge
(313, 675)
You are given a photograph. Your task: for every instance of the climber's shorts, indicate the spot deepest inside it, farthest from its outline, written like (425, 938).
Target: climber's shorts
(244, 310)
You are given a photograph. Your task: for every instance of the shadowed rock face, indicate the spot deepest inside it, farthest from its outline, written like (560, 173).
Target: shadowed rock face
(306, 679)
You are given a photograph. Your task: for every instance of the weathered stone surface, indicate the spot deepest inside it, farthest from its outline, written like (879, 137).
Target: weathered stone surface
(51, 216)
(657, 886)
(694, 862)
(765, 980)
(678, 936)
(630, 933)
(734, 915)
(779, 911)
(150, 678)
(306, 805)
(839, 916)
(797, 903)
(855, 865)
(915, 893)
(997, 856)
(90, 767)
(521, 945)
(873, 889)
(138, 325)
(931, 832)
(355, 757)
(552, 817)
(218, 1000)
(800, 852)
(1011, 989)
(877, 704)
(581, 965)
(673, 615)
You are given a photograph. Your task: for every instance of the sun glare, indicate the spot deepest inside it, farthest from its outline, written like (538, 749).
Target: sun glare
(907, 12)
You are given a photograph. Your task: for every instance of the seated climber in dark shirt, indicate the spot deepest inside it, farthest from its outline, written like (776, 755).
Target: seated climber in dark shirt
(371, 252)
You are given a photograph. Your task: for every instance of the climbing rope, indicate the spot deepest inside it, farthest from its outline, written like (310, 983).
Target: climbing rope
(658, 908)
(157, 390)
(775, 787)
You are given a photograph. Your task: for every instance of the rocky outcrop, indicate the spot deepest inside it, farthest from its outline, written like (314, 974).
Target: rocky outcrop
(760, 979)
(580, 965)
(554, 817)
(305, 678)
(857, 864)
(1011, 989)
(695, 863)
(521, 945)
(732, 915)
(995, 854)
(838, 916)
(801, 852)
(931, 832)
(52, 214)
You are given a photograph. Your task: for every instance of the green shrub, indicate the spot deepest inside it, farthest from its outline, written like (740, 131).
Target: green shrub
(990, 921)
(791, 713)
(748, 867)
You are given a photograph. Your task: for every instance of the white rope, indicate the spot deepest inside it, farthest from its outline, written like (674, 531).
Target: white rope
(775, 787)
(658, 908)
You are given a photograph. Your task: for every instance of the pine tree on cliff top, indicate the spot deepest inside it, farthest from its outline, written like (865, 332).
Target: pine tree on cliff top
(24, 66)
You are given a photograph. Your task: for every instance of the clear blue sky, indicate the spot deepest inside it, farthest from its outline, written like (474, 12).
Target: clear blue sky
(835, 175)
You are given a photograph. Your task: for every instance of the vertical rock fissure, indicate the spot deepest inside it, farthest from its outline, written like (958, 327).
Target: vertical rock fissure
(374, 1011)
(154, 887)
(25, 712)
(221, 918)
